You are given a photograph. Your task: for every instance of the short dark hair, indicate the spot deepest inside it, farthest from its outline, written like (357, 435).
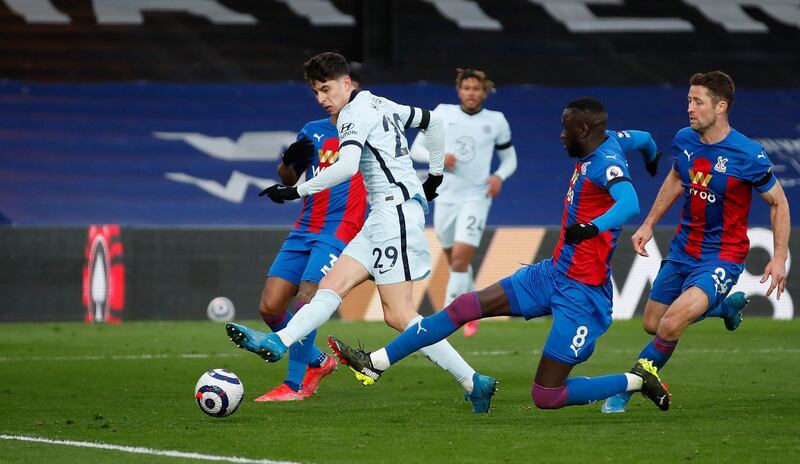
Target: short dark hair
(719, 85)
(355, 76)
(593, 108)
(325, 67)
(461, 74)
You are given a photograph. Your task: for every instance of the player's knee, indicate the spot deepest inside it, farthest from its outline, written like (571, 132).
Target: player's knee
(271, 306)
(549, 398)
(650, 325)
(670, 327)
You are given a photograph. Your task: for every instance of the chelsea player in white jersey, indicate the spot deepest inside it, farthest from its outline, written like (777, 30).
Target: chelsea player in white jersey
(391, 247)
(472, 135)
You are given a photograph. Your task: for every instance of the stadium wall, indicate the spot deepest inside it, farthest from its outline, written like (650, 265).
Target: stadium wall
(114, 274)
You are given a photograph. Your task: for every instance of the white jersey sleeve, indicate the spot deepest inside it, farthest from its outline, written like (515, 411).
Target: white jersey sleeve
(505, 149)
(503, 139)
(419, 149)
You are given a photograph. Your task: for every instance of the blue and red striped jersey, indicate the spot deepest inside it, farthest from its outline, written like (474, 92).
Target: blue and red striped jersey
(340, 211)
(588, 198)
(718, 181)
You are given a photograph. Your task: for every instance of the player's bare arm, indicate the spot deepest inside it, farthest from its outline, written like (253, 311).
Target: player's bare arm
(670, 190)
(508, 164)
(779, 216)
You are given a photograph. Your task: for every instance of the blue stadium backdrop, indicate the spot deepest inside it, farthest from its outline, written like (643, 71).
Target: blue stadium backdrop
(169, 154)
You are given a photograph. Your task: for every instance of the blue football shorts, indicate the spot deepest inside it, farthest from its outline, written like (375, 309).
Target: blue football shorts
(581, 312)
(305, 257)
(715, 278)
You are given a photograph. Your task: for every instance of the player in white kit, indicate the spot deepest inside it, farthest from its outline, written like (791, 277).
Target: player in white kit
(391, 247)
(472, 135)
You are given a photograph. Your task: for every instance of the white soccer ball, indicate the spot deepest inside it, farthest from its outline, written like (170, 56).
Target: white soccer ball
(221, 309)
(219, 392)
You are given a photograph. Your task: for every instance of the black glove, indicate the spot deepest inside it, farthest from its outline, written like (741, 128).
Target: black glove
(299, 155)
(576, 233)
(280, 193)
(652, 165)
(430, 185)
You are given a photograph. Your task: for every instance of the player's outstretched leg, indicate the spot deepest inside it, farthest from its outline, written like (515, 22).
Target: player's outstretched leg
(733, 306)
(357, 360)
(652, 387)
(267, 345)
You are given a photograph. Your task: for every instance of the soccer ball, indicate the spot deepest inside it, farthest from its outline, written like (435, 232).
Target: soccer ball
(221, 309)
(219, 392)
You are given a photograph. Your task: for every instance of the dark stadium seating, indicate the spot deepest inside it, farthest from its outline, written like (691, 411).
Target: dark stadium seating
(620, 42)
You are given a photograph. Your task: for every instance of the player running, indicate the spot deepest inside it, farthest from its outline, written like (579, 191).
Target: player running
(328, 221)
(472, 135)
(573, 286)
(715, 168)
(391, 247)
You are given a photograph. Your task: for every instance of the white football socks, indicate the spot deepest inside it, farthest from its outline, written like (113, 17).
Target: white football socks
(380, 359)
(634, 382)
(310, 316)
(457, 284)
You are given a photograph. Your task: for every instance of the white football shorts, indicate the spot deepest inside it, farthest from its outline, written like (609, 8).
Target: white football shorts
(461, 222)
(392, 244)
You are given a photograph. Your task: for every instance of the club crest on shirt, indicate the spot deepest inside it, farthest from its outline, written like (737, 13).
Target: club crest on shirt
(720, 166)
(613, 172)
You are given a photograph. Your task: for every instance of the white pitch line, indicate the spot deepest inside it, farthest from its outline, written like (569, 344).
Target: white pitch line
(141, 450)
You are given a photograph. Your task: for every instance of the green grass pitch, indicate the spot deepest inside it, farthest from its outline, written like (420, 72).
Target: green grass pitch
(735, 399)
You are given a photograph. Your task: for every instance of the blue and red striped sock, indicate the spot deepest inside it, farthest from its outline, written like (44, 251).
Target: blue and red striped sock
(658, 351)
